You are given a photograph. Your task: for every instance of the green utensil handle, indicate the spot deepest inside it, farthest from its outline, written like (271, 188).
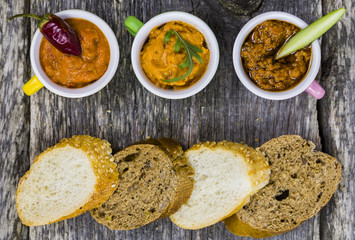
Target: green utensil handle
(133, 25)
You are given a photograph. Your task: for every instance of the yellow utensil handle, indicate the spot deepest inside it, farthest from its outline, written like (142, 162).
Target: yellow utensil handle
(32, 86)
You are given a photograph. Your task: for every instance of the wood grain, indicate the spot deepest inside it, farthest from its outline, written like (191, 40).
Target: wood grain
(238, 115)
(337, 119)
(14, 114)
(124, 112)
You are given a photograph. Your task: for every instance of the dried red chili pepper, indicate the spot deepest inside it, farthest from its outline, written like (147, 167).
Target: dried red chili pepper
(57, 32)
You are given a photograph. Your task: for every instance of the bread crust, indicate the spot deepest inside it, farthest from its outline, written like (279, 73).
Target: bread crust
(99, 154)
(258, 167)
(182, 184)
(306, 158)
(184, 172)
(240, 228)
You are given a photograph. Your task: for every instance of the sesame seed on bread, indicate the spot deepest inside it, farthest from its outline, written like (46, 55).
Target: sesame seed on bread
(66, 180)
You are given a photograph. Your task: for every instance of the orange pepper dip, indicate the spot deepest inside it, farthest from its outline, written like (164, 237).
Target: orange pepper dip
(77, 71)
(160, 61)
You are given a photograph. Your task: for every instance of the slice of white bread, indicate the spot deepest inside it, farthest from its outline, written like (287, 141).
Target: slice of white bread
(155, 180)
(302, 181)
(226, 175)
(66, 180)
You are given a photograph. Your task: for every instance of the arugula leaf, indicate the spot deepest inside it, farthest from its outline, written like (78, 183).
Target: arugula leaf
(191, 51)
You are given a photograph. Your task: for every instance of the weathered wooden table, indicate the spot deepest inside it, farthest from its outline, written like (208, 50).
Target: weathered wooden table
(124, 112)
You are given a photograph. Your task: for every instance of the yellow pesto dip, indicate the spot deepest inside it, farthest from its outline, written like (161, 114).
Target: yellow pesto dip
(160, 61)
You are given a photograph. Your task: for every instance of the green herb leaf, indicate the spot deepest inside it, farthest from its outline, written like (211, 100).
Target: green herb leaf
(310, 33)
(191, 51)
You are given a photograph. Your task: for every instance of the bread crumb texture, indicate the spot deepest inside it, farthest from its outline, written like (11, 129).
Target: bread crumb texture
(155, 180)
(66, 180)
(226, 175)
(302, 181)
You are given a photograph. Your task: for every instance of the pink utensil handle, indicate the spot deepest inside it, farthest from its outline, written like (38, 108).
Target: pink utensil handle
(315, 90)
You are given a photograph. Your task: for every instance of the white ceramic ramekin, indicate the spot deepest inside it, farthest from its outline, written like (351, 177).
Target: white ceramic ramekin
(142, 36)
(307, 84)
(91, 88)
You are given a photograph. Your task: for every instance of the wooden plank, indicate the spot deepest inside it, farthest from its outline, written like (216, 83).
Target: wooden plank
(302, 119)
(337, 114)
(14, 114)
(132, 116)
(224, 110)
(54, 117)
(64, 117)
(233, 113)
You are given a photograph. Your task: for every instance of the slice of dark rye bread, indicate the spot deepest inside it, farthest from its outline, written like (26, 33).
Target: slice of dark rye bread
(302, 181)
(154, 181)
